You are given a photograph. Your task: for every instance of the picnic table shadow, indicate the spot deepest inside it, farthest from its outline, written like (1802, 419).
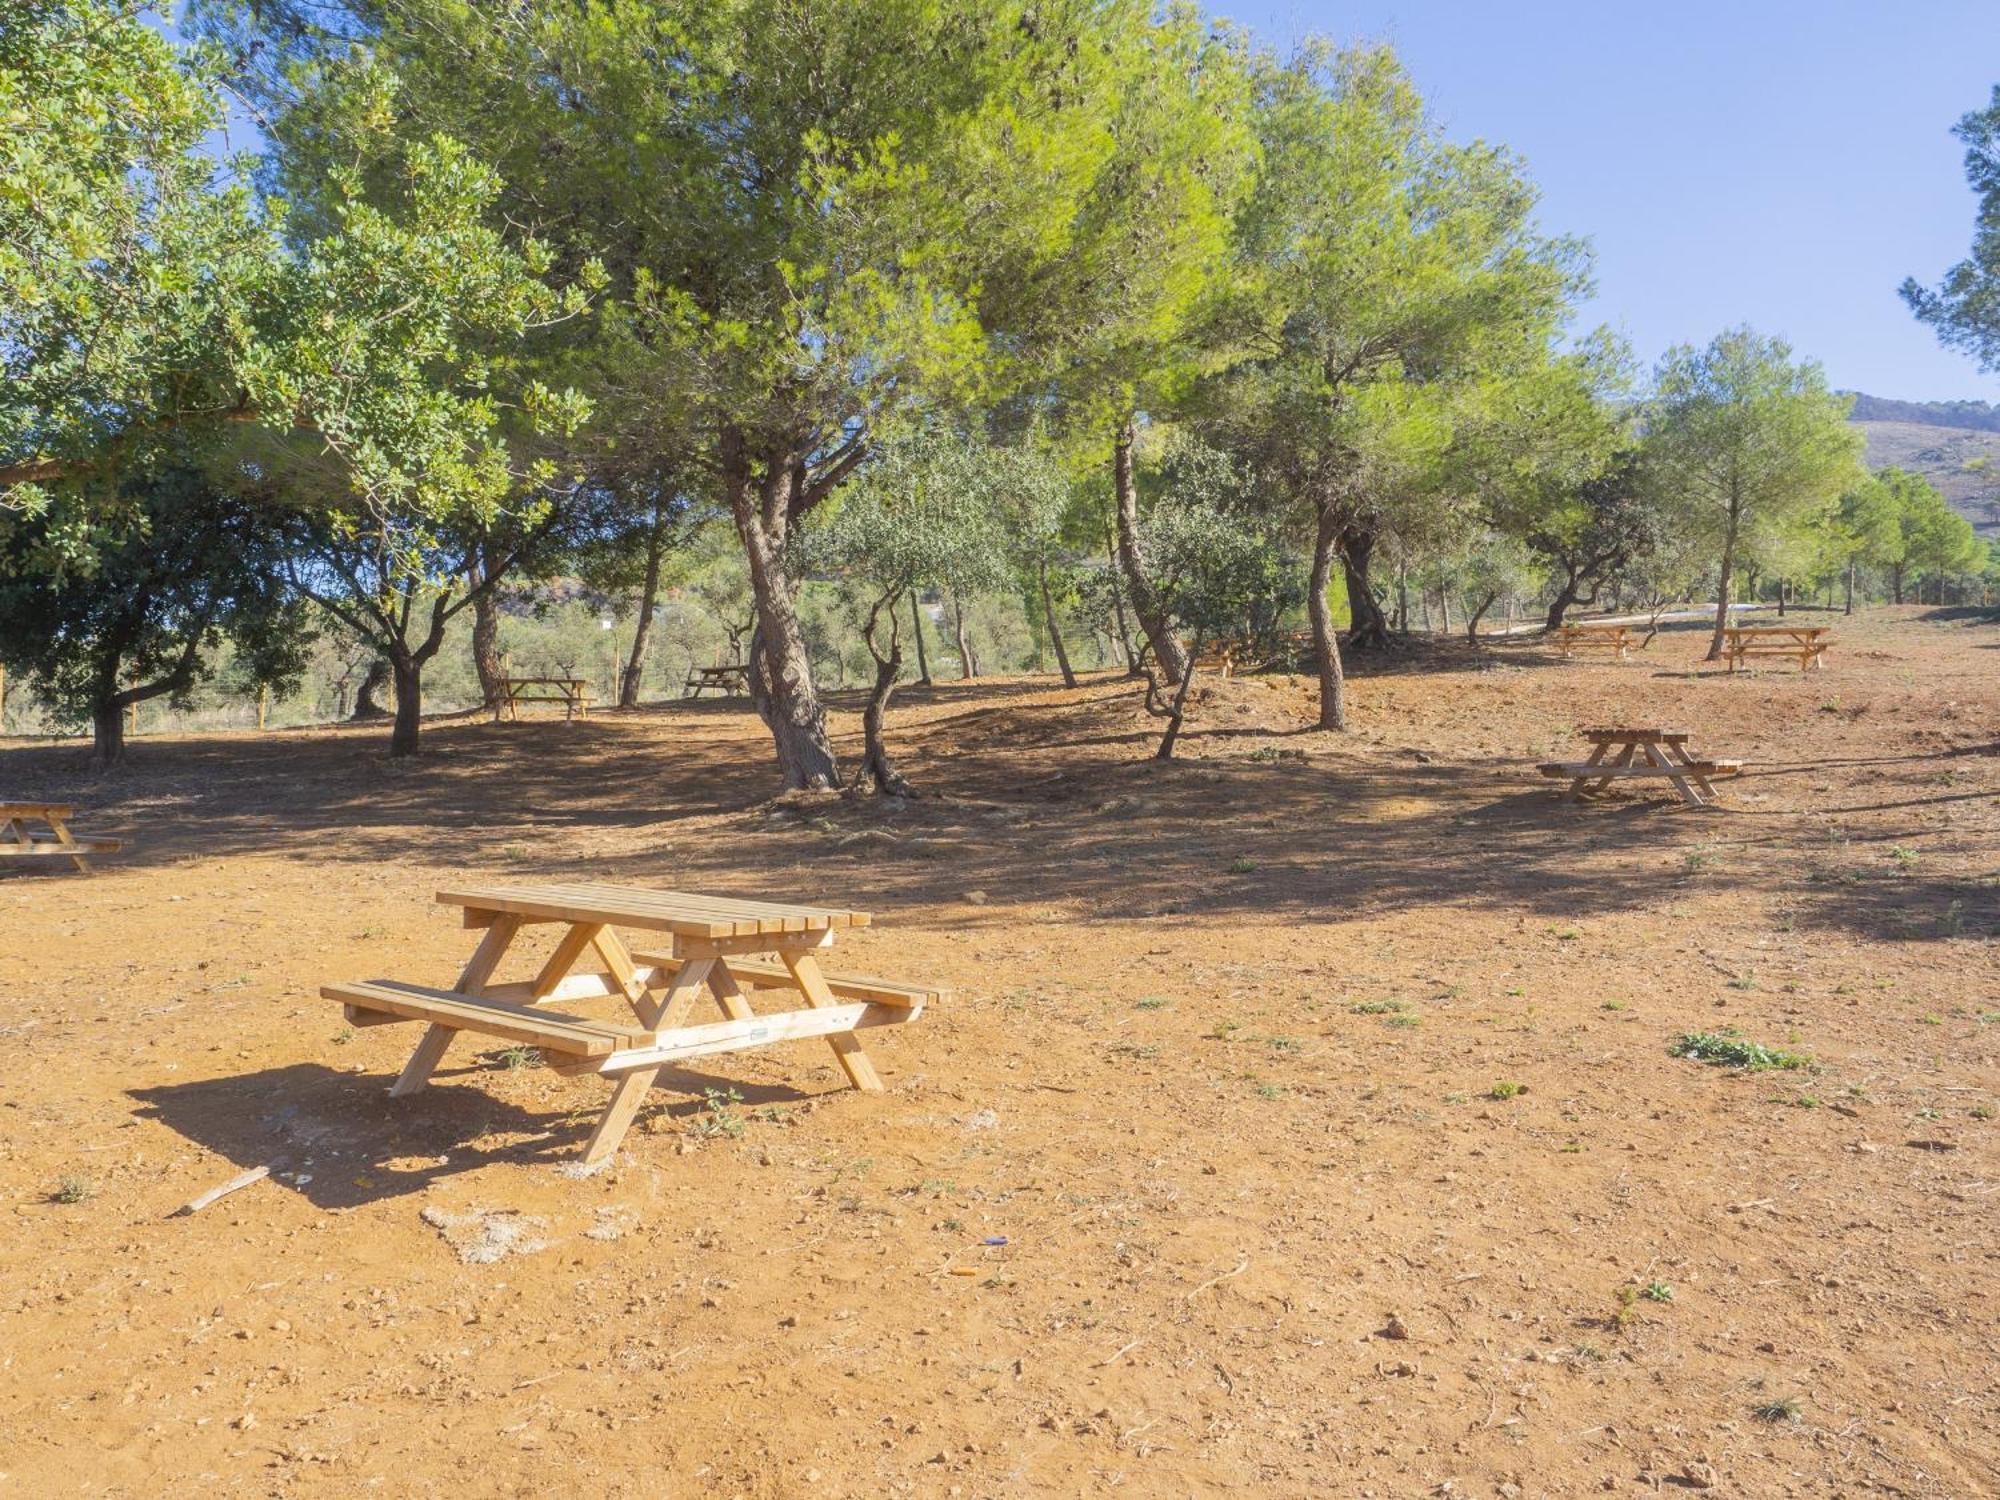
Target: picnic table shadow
(340, 1141)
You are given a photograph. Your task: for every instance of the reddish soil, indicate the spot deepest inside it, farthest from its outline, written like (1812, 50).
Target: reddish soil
(1221, 1069)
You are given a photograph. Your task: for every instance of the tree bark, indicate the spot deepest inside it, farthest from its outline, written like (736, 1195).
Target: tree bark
(635, 664)
(1722, 582)
(365, 705)
(409, 675)
(1566, 596)
(781, 668)
(486, 635)
(1167, 649)
(1896, 582)
(876, 767)
(1176, 714)
(1444, 607)
(1850, 588)
(107, 732)
(967, 669)
(917, 633)
(1781, 598)
(1118, 616)
(1326, 644)
(1370, 627)
(1055, 630)
(1472, 623)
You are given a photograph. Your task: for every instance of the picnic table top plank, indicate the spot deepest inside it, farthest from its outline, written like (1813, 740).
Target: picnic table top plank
(1637, 734)
(1740, 631)
(36, 810)
(736, 669)
(679, 912)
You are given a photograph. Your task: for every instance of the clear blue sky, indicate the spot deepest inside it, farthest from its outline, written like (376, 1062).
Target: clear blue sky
(1773, 162)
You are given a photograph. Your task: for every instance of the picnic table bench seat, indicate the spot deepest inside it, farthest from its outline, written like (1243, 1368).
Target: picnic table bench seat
(731, 681)
(1805, 644)
(758, 974)
(384, 1002)
(1681, 768)
(573, 693)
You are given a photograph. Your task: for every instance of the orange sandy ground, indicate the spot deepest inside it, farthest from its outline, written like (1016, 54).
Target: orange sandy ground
(1223, 1186)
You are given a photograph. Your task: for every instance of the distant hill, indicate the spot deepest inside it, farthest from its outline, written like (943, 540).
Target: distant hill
(1937, 439)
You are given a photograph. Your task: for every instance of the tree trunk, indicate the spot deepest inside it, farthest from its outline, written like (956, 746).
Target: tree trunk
(1896, 582)
(876, 766)
(1118, 615)
(409, 674)
(1370, 627)
(1444, 607)
(966, 669)
(486, 636)
(1402, 598)
(1722, 586)
(365, 705)
(1177, 714)
(1167, 650)
(1055, 631)
(1565, 598)
(1850, 588)
(107, 731)
(1472, 624)
(635, 664)
(1326, 645)
(781, 668)
(917, 634)
(1781, 598)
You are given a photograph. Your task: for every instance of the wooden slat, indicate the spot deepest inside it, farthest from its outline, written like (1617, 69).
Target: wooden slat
(518, 1023)
(42, 810)
(730, 1036)
(665, 911)
(761, 975)
(1659, 736)
(45, 845)
(1594, 773)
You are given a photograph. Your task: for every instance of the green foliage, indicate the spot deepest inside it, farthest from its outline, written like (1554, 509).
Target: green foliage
(1964, 308)
(1727, 1048)
(176, 569)
(145, 291)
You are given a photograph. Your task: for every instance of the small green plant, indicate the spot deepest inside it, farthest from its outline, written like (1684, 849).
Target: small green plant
(1627, 1310)
(1587, 1354)
(1728, 1048)
(1221, 1030)
(343, 1036)
(1270, 1091)
(720, 1119)
(1989, 1018)
(1982, 1111)
(1696, 859)
(1283, 1043)
(71, 1188)
(1657, 1291)
(1778, 1409)
(370, 932)
(515, 1058)
(1151, 1002)
(1377, 1007)
(1744, 981)
(1506, 1089)
(1930, 1018)
(1404, 1023)
(1904, 858)
(1564, 934)
(951, 1225)
(1241, 865)
(1612, 1005)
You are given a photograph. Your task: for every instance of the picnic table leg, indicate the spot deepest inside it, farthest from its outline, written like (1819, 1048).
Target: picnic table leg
(672, 1008)
(728, 993)
(1688, 794)
(471, 981)
(1575, 788)
(570, 948)
(1681, 757)
(61, 830)
(812, 984)
(617, 1117)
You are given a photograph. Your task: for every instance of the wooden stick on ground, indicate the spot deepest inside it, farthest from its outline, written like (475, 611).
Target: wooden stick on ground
(200, 1201)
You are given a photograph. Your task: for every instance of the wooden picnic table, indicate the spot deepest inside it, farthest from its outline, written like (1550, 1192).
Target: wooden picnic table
(1804, 643)
(723, 945)
(731, 681)
(19, 841)
(1571, 639)
(1622, 752)
(572, 692)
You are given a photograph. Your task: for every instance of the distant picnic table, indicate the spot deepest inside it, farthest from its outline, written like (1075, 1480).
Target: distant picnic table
(1805, 644)
(572, 692)
(1571, 639)
(731, 681)
(1622, 752)
(720, 944)
(19, 841)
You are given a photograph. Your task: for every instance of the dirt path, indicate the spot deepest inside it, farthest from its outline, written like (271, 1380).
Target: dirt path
(1222, 1118)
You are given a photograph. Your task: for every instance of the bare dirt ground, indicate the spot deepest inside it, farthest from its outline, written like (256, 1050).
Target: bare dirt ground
(1221, 1069)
